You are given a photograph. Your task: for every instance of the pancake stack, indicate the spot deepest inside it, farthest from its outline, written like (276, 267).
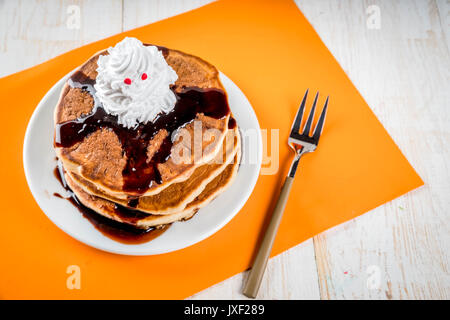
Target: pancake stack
(134, 176)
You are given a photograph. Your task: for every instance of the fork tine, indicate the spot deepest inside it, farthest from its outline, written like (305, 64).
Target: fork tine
(311, 117)
(319, 125)
(299, 116)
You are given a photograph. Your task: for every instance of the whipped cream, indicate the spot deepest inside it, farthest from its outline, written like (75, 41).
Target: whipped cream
(133, 82)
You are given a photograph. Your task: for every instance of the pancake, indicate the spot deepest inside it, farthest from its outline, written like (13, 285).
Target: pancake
(110, 210)
(175, 197)
(138, 172)
(100, 158)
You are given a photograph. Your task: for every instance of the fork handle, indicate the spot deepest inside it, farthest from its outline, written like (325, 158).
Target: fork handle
(259, 265)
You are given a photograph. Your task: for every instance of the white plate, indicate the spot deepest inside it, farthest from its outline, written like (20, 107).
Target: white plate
(39, 163)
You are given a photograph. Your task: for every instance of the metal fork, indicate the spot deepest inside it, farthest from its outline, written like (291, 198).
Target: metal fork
(301, 143)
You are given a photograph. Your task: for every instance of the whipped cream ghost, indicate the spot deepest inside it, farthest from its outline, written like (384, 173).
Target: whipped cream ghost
(133, 82)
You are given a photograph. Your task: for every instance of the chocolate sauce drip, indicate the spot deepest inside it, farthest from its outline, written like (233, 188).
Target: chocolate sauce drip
(82, 79)
(133, 202)
(115, 230)
(164, 50)
(140, 172)
(231, 123)
(59, 174)
(121, 232)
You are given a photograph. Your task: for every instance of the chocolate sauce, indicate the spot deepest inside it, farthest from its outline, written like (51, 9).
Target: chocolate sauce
(121, 232)
(164, 50)
(58, 173)
(81, 78)
(231, 123)
(133, 202)
(139, 173)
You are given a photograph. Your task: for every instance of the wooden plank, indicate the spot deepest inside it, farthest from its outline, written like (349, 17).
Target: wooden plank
(443, 10)
(402, 71)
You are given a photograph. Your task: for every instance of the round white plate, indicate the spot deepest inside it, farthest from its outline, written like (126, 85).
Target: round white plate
(39, 163)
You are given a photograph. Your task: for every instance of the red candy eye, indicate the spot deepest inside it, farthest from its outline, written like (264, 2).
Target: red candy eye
(127, 81)
(144, 76)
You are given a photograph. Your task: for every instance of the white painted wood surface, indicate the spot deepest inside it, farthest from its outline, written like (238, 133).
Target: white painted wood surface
(399, 250)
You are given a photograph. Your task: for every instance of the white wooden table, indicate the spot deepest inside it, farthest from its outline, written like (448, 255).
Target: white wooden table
(396, 52)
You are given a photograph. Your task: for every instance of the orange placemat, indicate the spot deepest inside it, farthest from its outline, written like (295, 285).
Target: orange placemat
(273, 54)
